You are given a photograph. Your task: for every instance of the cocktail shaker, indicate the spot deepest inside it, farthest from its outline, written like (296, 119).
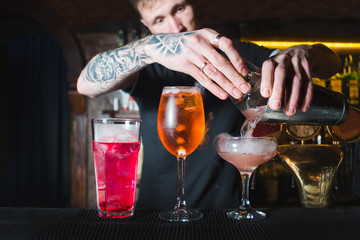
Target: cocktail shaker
(327, 107)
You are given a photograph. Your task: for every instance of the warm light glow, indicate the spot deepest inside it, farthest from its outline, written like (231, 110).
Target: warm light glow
(283, 45)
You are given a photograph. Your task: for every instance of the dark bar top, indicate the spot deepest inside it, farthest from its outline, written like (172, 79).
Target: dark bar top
(282, 223)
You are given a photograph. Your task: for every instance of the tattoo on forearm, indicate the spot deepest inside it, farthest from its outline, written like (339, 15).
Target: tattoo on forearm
(118, 63)
(114, 64)
(169, 44)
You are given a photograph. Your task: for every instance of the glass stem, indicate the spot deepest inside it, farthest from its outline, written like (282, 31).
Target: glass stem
(180, 201)
(245, 202)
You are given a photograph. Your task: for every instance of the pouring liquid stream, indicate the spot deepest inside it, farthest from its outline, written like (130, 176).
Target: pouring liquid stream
(253, 116)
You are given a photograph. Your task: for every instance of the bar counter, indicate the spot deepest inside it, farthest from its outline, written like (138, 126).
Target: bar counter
(281, 223)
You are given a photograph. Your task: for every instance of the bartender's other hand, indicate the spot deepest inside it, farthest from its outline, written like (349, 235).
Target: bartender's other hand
(195, 53)
(286, 80)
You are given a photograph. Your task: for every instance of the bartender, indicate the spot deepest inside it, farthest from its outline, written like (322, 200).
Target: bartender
(178, 52)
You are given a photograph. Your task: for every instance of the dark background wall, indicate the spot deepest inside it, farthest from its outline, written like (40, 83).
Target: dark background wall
(83, 28)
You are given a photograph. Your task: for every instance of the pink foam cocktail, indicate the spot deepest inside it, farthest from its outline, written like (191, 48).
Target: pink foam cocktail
(246, 154)
(116, 144)
(246, 162)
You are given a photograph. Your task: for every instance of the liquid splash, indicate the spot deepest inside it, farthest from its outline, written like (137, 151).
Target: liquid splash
(253, 116)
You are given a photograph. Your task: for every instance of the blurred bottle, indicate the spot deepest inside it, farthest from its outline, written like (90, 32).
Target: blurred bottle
(350, 79)
(121, 38)
(336, 84)
(320, 82)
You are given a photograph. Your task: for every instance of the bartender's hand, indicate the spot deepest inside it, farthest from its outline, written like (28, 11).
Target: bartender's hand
(288, 74)
(194, 53)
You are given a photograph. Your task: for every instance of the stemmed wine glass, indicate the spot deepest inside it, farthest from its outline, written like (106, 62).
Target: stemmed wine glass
(246, 154)
(181, 127)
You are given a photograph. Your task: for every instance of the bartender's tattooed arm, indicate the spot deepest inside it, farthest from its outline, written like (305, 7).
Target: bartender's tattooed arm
(117, 64)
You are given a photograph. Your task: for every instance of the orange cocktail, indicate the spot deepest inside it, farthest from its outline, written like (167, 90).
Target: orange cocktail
(181, 127)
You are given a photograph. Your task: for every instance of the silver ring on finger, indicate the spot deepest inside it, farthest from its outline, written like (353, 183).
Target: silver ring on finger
(204, 65)
(216, 40)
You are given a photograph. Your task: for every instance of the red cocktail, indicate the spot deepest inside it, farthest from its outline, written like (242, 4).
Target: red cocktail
(116, 146)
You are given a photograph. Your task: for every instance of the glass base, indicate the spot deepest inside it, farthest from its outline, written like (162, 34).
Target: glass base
(123, 214)
(246, 214)
(181, 215)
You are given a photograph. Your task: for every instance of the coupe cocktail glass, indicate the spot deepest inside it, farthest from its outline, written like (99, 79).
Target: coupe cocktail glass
(181, 127)
(246, 154)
